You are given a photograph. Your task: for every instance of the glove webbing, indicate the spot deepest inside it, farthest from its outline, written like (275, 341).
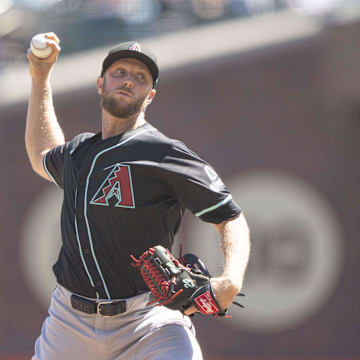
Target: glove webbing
(155, 281)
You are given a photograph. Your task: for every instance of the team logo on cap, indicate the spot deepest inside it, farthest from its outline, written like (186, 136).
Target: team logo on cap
(135, 47)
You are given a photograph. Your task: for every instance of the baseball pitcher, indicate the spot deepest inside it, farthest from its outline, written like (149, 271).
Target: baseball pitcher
(121, 294)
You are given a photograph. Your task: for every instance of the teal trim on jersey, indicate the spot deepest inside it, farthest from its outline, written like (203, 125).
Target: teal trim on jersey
(48, 172)
(85, 204)
(80, 250)
(211, 208)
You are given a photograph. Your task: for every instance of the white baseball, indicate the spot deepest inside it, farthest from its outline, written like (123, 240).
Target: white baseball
(39, 47)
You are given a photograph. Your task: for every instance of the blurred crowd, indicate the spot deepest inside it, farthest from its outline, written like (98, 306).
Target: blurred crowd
(85, 24)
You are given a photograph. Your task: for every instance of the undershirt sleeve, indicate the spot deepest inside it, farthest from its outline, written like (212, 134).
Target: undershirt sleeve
(197, 186)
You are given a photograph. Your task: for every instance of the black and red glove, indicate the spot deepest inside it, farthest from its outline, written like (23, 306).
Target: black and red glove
(178, 283)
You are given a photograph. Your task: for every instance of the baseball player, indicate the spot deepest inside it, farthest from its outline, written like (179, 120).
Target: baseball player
(125, 190)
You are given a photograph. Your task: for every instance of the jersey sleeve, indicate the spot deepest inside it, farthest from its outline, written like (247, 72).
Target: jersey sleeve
(54, 160)
(197, 186)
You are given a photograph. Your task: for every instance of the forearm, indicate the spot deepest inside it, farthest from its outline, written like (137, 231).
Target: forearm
(235, 244)
(43, 131)
(42, 128)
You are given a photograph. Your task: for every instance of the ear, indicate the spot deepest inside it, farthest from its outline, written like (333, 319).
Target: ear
(100, 84)
(151, 95)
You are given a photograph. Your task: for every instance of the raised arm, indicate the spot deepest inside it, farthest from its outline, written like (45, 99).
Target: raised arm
(43, 131)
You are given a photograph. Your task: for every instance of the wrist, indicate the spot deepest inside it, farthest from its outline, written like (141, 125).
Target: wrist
(225, 290)
(41, 82)
(232, 286)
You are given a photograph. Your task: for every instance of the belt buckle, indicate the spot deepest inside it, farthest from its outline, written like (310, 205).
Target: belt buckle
(98, 309)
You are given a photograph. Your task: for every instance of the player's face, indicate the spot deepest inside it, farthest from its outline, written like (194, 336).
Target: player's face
(126, 88)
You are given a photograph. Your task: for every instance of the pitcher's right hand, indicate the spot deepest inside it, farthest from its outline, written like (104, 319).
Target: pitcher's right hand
(40, 69)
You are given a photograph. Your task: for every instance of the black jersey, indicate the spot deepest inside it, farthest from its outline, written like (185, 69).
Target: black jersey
(123, 195)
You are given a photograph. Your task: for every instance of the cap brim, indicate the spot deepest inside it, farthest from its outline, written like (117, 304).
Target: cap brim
(131, 54)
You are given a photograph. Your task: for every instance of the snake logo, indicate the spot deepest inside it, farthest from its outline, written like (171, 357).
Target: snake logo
(118, 185)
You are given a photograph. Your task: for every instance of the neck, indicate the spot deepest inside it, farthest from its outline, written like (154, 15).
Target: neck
(112, 125)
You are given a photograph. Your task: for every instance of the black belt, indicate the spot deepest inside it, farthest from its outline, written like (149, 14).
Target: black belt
(103, 308)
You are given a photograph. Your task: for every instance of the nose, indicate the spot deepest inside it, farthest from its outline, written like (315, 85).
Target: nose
(129, 84)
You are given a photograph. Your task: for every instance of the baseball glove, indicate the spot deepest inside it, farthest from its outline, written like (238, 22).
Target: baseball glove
(178, 283)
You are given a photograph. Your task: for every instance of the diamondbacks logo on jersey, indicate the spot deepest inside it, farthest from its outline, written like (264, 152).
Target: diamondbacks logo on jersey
(118, 186)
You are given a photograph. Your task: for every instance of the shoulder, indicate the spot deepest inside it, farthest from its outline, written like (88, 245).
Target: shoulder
(75, 142)
(78, 139)
(168, 146)
(179, 147)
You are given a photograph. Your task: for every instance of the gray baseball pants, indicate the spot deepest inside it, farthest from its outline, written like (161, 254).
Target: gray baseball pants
(141, 333)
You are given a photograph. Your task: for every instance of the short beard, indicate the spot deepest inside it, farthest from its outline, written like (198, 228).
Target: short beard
(121, 109)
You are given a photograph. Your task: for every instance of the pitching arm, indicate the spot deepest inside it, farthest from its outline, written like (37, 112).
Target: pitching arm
(43, 131)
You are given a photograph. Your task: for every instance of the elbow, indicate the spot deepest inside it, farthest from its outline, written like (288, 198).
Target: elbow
(36, 167)
(32, 157)
(36, 164)
(36, 161)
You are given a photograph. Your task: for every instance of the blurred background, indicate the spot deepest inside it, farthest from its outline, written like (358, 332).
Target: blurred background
(268, 92)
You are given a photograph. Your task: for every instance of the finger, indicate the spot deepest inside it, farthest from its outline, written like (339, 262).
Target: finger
(56, 50)
(52, 36)
(192, 309)
(53, 44)
(31, 56)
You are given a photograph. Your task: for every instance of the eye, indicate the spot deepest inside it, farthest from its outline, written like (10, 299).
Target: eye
(141, 77)
(119, 72)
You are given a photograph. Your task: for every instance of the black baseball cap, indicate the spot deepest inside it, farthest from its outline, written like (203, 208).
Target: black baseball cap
(133, 49)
